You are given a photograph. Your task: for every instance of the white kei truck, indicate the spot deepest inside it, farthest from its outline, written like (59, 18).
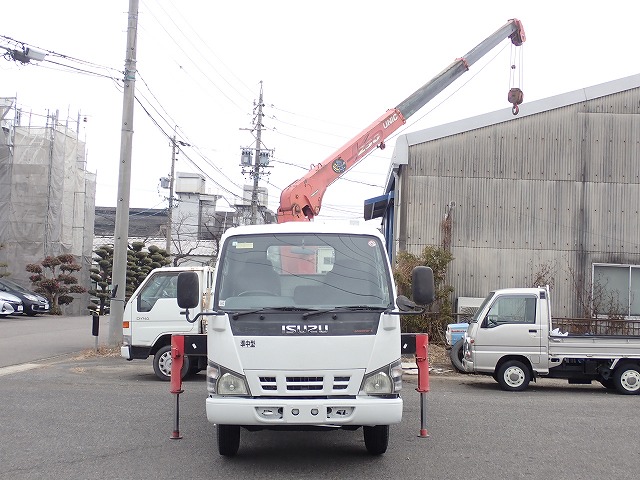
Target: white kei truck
(152, 315)
(512, 338)
(304, 332)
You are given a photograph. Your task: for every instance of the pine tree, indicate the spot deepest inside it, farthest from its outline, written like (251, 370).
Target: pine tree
(54, 278)
(101, 276)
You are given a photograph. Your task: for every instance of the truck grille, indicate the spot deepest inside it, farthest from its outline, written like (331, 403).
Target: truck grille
(313, 384)
(304, 383)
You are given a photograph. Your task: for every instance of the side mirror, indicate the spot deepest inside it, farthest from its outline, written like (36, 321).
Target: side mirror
(423, 286)
(188, 290)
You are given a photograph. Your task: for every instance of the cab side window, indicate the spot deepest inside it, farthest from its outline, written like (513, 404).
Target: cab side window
(161, 285)
(514, 310)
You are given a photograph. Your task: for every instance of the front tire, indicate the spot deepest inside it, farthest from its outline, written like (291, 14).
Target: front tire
(376, 439)
(627, 379)
(513, 376)
(455, 354)
(162, 364)
(228, 440)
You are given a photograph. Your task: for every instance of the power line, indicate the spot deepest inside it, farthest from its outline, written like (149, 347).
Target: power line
(195, 64)
(207, 47)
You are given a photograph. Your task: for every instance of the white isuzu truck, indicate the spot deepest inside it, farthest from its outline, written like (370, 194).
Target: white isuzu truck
(304, 332)
(512, 338)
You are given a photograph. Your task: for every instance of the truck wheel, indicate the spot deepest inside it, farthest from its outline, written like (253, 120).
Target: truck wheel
(513, 376)
(162, 364)
(455, 354)
(627, 379)
(228, 440)
(376, 439)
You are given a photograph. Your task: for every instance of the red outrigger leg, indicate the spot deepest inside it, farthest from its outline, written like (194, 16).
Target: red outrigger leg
(422, 361)
(177, 360)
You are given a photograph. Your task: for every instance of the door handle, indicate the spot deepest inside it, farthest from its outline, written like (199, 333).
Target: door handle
(533, 330)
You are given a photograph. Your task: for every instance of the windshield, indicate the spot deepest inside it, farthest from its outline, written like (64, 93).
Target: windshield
(481, 308)
(302, 270)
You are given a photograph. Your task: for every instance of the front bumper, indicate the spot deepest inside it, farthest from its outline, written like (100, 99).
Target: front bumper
(125, 352)
(290, 411)
(134, 352)
(39, 307)
(468, 365)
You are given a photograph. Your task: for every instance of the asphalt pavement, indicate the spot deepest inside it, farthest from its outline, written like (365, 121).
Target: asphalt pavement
(26, 339)
(81, 417)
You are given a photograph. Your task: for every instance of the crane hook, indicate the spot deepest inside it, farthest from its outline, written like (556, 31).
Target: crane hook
(515, 97)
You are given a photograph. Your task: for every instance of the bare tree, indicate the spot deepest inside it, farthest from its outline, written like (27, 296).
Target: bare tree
(542, 274)
(599, 307)
(194, 236)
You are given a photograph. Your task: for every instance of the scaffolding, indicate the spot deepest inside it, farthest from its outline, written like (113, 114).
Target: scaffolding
(47, 197)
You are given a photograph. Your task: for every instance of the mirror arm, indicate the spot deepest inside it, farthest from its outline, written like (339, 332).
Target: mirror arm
(201, 314)
(401, 312)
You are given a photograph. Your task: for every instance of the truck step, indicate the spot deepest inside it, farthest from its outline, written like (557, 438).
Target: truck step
(579, 381)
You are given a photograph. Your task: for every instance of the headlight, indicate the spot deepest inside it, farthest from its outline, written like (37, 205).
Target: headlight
(224, 382)
(33, 298)
(466, 349)
(386, 381)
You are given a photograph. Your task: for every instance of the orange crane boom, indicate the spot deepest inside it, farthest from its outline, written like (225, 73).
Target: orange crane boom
(302, 200)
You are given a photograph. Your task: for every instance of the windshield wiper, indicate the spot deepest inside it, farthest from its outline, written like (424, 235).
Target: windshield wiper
(236, 315)
(344, 308)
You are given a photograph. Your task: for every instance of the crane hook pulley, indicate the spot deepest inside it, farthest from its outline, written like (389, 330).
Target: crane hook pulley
(515, 96)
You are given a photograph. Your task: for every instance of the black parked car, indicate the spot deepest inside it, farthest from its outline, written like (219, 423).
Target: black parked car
(33, 303)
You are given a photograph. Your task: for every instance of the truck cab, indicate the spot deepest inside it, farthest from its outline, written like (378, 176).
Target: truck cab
(304, 333)
(152, 315)
(509, 320)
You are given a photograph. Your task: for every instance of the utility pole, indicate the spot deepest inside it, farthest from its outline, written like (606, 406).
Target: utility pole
(256, 164)
(121, 233)
(171, 186)
(260, 159)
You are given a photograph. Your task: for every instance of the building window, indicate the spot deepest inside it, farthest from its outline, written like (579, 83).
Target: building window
(616, 290)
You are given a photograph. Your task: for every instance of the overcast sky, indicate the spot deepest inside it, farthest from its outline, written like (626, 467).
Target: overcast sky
(329, 69)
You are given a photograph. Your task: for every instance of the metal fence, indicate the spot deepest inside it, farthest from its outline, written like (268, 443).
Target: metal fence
(597, 326)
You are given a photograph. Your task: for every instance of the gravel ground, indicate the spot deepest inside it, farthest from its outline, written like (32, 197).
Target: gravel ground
(439, 363)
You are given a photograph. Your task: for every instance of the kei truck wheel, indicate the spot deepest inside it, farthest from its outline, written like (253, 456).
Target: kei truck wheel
(626, 378)
(513, 376)
(162, 364)
(455, 354)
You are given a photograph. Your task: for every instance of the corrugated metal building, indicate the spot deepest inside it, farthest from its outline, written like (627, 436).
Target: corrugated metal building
(556, 186)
